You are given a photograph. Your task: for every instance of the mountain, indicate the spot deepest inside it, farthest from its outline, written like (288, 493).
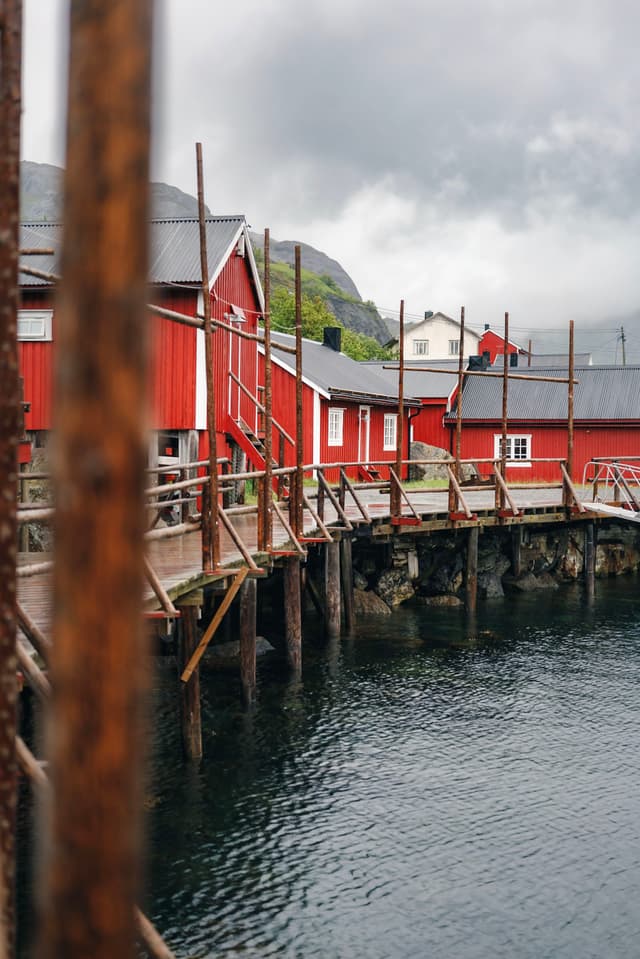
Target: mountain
(41, 196)
(325, 278)
(41, 201)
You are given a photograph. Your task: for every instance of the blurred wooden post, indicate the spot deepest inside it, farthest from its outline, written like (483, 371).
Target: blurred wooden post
(92, 873)
(10, 78)
(590, 545)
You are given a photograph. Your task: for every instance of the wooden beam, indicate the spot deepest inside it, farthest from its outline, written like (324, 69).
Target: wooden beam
(210, 631)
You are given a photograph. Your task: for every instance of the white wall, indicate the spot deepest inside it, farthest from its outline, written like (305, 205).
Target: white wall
(439, 330)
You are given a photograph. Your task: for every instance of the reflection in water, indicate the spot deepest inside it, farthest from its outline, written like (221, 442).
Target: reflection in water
(433, 787)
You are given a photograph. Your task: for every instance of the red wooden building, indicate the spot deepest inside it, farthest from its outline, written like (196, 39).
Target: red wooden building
(493, 344)
(178, 371)
(350, 413)
(606, 419)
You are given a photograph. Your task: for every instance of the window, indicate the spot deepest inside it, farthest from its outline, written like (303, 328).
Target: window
(336, 418)
(454, 347)
(35, 324)
(390, 430)
(421, 347)
(518, 449)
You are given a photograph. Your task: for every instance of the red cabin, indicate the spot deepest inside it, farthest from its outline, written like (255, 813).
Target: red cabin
(178, 372)
(606, 419)
(350, 413)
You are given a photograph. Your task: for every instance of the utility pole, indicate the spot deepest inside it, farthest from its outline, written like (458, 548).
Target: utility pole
(623, 341)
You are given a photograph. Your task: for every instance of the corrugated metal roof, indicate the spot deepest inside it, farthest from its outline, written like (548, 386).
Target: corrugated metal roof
(556, 360)
(601, 393)
(337, 374)
(424, 385)
(175, 248)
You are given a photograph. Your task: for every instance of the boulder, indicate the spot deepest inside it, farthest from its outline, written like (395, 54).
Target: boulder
(529, 582)
(225, 655)
(394, 587)
(368, 603)
(444, 600)
(422, 451)
(359, 581)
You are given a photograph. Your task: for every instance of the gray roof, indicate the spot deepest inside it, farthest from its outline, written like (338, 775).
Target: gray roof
(337, 374)
(556, 360)
(175, 248)
(424, 385)
(601, 393)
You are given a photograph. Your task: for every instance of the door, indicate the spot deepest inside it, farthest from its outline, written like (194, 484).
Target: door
(364, 424)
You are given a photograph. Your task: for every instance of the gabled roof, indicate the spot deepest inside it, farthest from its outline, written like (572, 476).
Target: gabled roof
(439, 317)
(433, 386)
(601, 393)
(174, 255)
(335, 375)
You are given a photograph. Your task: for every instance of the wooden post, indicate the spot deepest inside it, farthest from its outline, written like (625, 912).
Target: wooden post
(501, 499)
(516, 550)
(472, 569)
(395, 498)
(210, 527)
(293, 613)
(590, 545)
(332, 587)
(298, 526)
(566, 496)
(346, 570)
(98, 660)
(190, 718)
(453, 499)
(10, 105)
(267, 482)
(248, 607)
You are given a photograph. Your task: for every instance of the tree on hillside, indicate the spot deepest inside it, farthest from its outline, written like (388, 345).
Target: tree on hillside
(315, 316)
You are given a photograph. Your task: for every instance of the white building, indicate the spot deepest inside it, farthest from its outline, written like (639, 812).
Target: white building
(437, 337)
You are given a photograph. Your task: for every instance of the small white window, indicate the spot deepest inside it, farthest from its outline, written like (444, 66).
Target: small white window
(35, 324)
(336, 420)
(421, 347)
(518, 449)
(390, 430)
(454, 347)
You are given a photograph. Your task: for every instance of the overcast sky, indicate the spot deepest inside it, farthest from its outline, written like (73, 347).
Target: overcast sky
(444, 151)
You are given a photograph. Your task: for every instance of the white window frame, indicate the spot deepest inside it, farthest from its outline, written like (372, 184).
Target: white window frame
(421, 347)
(335, 426)
(44, 318)
(454, 347)
(520, 440)
(390, 435)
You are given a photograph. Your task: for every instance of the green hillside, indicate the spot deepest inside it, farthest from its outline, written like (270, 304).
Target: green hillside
(323, 301)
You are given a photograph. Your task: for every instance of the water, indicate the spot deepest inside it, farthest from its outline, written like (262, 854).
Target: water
(431, 789)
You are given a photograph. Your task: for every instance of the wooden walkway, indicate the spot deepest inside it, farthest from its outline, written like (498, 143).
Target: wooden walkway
(177, 561)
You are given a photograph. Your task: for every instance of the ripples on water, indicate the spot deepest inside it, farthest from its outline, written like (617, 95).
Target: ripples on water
(431, 789)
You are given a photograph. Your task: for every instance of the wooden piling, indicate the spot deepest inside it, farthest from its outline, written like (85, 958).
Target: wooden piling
(471, 583)
(332, 588)
(293, 613)
(98, 657)
(516, 550)
(248, 608)
(346, 572)
(190, 715)
(10, 104)
(590, 545)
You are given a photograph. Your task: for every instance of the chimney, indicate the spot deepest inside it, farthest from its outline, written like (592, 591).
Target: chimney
(487, 327)
(332, 337)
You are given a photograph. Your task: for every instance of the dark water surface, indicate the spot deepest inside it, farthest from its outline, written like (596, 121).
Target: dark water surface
(430, 789)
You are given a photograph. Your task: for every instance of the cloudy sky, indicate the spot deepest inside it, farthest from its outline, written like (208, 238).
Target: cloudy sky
(444, 151)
